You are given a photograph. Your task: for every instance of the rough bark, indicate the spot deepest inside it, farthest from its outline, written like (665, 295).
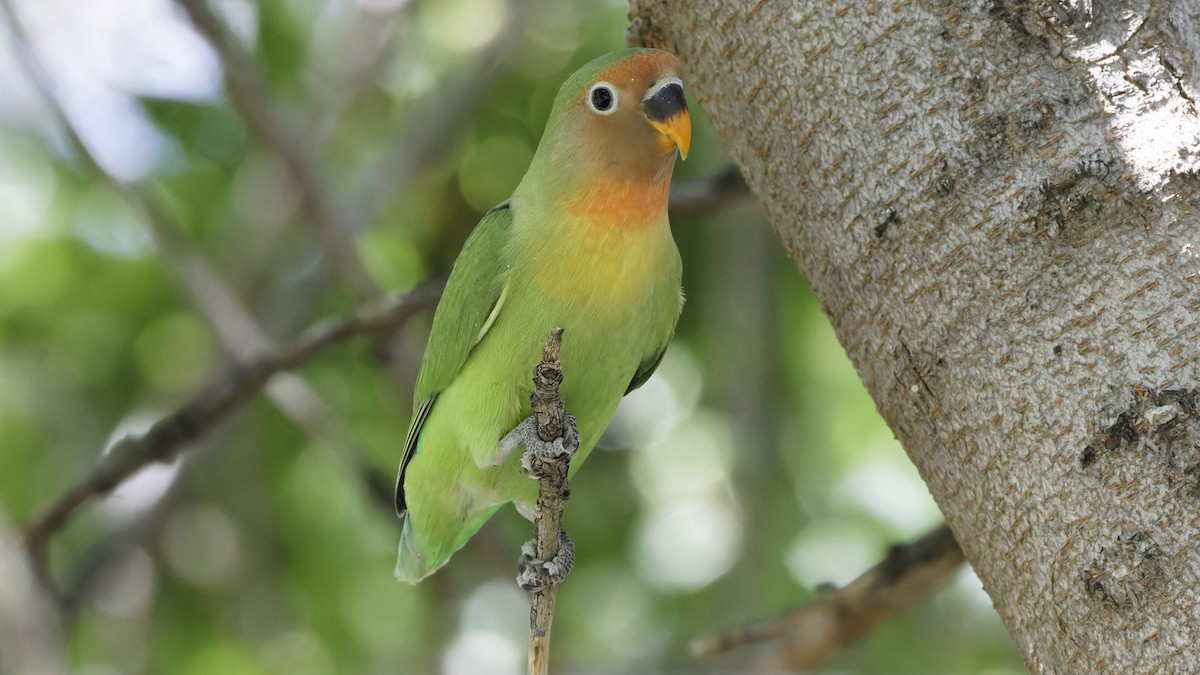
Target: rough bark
(996, 203)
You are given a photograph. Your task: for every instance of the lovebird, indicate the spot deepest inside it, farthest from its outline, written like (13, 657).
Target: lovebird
(583, 243)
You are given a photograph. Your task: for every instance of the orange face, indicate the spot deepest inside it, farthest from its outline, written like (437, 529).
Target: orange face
(623, 131)
(651, 78)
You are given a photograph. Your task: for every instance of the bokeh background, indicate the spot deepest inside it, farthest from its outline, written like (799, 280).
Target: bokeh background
(749, 473)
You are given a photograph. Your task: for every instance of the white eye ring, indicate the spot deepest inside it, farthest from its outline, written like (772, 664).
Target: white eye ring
(614, 98)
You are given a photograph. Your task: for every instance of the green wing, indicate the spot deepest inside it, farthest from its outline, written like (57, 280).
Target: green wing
(473, 296)
(646, 369)
(650, 363)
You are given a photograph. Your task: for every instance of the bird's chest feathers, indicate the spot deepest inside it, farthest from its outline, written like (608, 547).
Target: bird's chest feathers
(610, 273)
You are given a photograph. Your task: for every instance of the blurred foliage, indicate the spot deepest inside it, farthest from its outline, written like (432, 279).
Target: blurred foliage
(751, 470)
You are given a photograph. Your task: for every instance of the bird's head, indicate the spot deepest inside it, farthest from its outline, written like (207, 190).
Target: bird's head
(623, 112)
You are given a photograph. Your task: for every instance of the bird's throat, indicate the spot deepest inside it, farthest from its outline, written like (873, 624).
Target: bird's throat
(620, 202)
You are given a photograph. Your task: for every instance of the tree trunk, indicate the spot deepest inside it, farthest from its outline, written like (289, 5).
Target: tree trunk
(997, 205)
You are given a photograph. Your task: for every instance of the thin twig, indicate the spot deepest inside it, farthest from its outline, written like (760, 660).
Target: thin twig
(813, 632)
(84, 577)
(88, 569)
(238, 385)
(249, 93)
(551, 416)
(196, 418)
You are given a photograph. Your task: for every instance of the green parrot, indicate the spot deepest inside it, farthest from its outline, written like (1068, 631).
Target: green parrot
(583, 243)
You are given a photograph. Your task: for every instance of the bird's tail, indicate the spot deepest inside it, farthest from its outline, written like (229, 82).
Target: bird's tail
(411, 564)
(421, 556)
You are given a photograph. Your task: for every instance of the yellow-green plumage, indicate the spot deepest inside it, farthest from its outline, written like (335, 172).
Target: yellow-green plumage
(584, 243)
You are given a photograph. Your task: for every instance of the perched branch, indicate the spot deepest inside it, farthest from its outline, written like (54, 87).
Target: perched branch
(702, 196)
(552, 422)
(166, 438)
(813, 632)
(248, 92)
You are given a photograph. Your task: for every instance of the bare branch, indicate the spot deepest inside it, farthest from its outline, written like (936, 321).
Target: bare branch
(815, 631)
(196, 418)
(551, 423)
(702, 196)
(248, 91)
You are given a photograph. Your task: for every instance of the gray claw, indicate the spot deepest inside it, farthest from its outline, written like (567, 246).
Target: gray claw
(566, 444)
(533, 574)
(537, 450)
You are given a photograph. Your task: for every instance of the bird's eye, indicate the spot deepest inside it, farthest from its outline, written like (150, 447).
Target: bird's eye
(602, 98)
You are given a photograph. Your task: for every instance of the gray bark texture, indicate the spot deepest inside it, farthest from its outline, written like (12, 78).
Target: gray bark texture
(998, 205)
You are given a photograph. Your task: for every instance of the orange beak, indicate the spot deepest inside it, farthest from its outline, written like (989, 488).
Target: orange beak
(675, 132)
(667, 112)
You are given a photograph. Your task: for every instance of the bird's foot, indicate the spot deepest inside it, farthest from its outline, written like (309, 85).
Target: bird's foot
(539, 454)
(526, 434)
(534, 574)
(512, 440)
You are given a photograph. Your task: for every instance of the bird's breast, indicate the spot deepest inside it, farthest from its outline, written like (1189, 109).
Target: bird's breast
(607, 273)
